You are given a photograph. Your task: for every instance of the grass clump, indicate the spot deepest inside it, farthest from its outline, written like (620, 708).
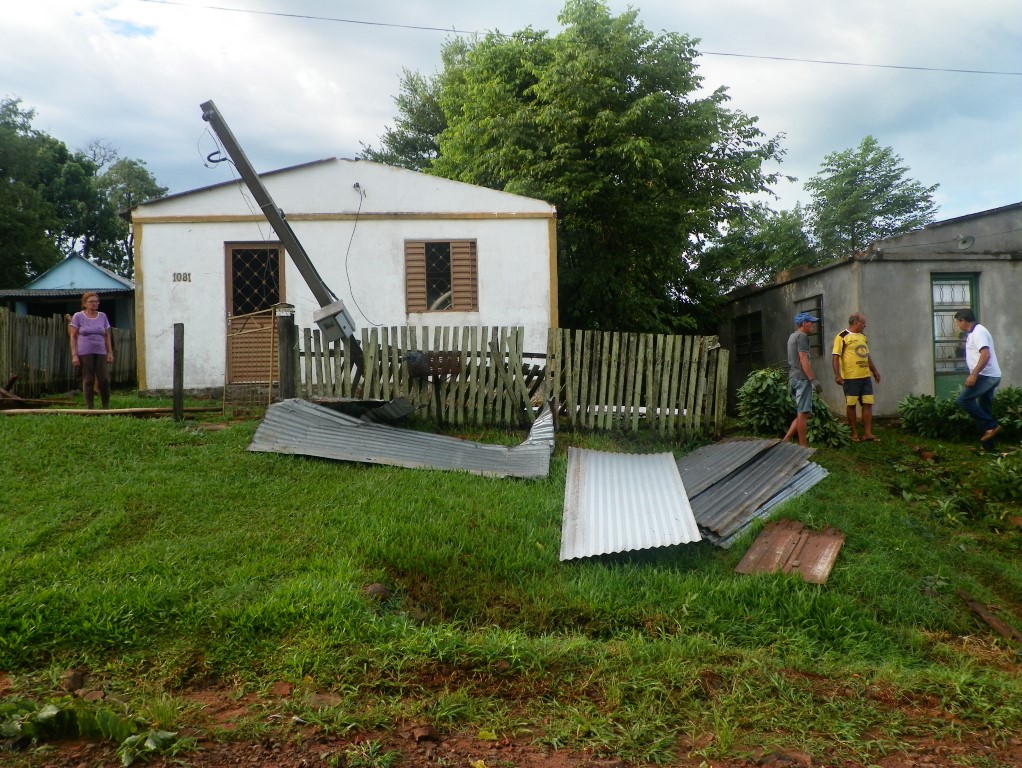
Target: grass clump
(175, 559)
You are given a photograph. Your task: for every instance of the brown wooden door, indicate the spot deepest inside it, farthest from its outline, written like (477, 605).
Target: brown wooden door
(255, 284)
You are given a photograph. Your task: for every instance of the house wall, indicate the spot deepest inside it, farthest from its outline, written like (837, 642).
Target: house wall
(891, 284)
(358, 251)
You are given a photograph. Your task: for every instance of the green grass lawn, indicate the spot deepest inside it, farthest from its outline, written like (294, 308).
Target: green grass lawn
(163, 555)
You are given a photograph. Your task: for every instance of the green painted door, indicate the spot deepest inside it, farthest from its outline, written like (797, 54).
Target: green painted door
(950, 293)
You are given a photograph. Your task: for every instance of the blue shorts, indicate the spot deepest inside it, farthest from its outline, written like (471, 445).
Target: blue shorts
(858, 391)
(802, 392)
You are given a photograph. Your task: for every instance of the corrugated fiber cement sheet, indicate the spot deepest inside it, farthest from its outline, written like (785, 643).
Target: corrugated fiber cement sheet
(615, 502)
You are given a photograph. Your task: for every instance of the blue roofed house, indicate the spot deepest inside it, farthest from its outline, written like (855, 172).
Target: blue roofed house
(58, 291)
(40, 365)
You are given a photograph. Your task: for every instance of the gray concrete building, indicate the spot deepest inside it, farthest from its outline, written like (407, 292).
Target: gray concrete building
(909, 288)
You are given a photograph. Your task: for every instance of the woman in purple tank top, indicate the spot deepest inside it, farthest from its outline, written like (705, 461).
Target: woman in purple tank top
(91, 348)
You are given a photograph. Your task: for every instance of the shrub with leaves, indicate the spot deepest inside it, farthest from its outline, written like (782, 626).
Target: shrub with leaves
(766, 408)
(25, 723)
(944, 419)
(928, 416)
(1002, 478)
(1008, 411)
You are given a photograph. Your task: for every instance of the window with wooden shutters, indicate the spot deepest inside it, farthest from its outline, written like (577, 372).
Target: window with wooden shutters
(441, 276)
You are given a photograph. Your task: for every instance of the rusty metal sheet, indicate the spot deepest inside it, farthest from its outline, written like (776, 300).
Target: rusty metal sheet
(786, 546)
(801, 482)
(615, 502)
(300, 427)
(712, 463)
(730, 504)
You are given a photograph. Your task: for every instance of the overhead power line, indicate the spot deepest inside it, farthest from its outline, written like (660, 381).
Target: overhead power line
(456, 31)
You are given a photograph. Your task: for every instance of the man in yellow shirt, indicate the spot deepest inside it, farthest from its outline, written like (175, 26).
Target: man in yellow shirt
(853, 366)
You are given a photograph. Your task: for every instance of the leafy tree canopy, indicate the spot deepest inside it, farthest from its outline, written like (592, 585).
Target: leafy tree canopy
(413, 142)
(29, 163)
(600, 120)
(755, 248)
(55, 202)
(126, 183)
(862, 195)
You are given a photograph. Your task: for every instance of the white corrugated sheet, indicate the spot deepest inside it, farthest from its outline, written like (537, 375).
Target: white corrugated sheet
(615, 502)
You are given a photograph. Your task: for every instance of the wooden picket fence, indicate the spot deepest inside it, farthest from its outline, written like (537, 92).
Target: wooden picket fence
(631, 381)
(446, 371)
(38, 351)
(484, 376)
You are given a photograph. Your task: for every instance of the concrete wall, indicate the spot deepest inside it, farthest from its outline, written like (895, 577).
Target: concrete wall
(891, 284)
(358, 251)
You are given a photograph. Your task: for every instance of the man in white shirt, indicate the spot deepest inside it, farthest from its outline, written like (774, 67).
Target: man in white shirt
(984, 376)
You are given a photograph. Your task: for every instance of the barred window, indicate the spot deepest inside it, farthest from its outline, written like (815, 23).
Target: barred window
(749, 337)
(254, 275)
(441, 276)
(814, 306)
(950, 293)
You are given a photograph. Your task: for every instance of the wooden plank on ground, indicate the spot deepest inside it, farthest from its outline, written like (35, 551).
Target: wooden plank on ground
(994, 622)
(107, 411)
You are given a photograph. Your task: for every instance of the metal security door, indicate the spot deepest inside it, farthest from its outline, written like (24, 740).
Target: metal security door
(255, 283)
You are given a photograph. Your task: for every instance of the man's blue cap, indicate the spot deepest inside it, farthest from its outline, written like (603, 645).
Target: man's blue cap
(805, 317)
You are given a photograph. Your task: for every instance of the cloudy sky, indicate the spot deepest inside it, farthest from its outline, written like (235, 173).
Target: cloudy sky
(301, 80)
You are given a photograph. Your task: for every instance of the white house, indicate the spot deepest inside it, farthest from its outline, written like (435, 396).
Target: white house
(396, 246)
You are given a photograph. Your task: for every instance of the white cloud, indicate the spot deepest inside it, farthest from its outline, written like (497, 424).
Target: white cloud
(297, 89)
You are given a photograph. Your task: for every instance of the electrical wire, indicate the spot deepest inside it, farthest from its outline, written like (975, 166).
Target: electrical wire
(454, 30)
(915, 246)
(347, 275)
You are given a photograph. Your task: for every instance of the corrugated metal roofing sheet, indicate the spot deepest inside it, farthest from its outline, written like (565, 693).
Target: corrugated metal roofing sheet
(707, 465)
(300, 427)
(623, 502)
(728, 504)
(801, 482)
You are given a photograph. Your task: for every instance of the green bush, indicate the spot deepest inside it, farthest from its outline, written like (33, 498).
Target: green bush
(1002, 479)
(766, 408)
(928, 416)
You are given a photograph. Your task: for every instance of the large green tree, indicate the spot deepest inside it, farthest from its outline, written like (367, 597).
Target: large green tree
(28, 218)
(601, 120)
(55, 202)
(756, 246)
(413, 142)
(125, 184)
(864, 194)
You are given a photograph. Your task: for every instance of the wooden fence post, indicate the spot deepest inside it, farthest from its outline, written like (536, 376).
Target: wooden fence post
(287, 340)
(179, 371)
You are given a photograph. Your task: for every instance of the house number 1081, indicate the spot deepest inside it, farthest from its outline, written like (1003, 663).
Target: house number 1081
(182, 277)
